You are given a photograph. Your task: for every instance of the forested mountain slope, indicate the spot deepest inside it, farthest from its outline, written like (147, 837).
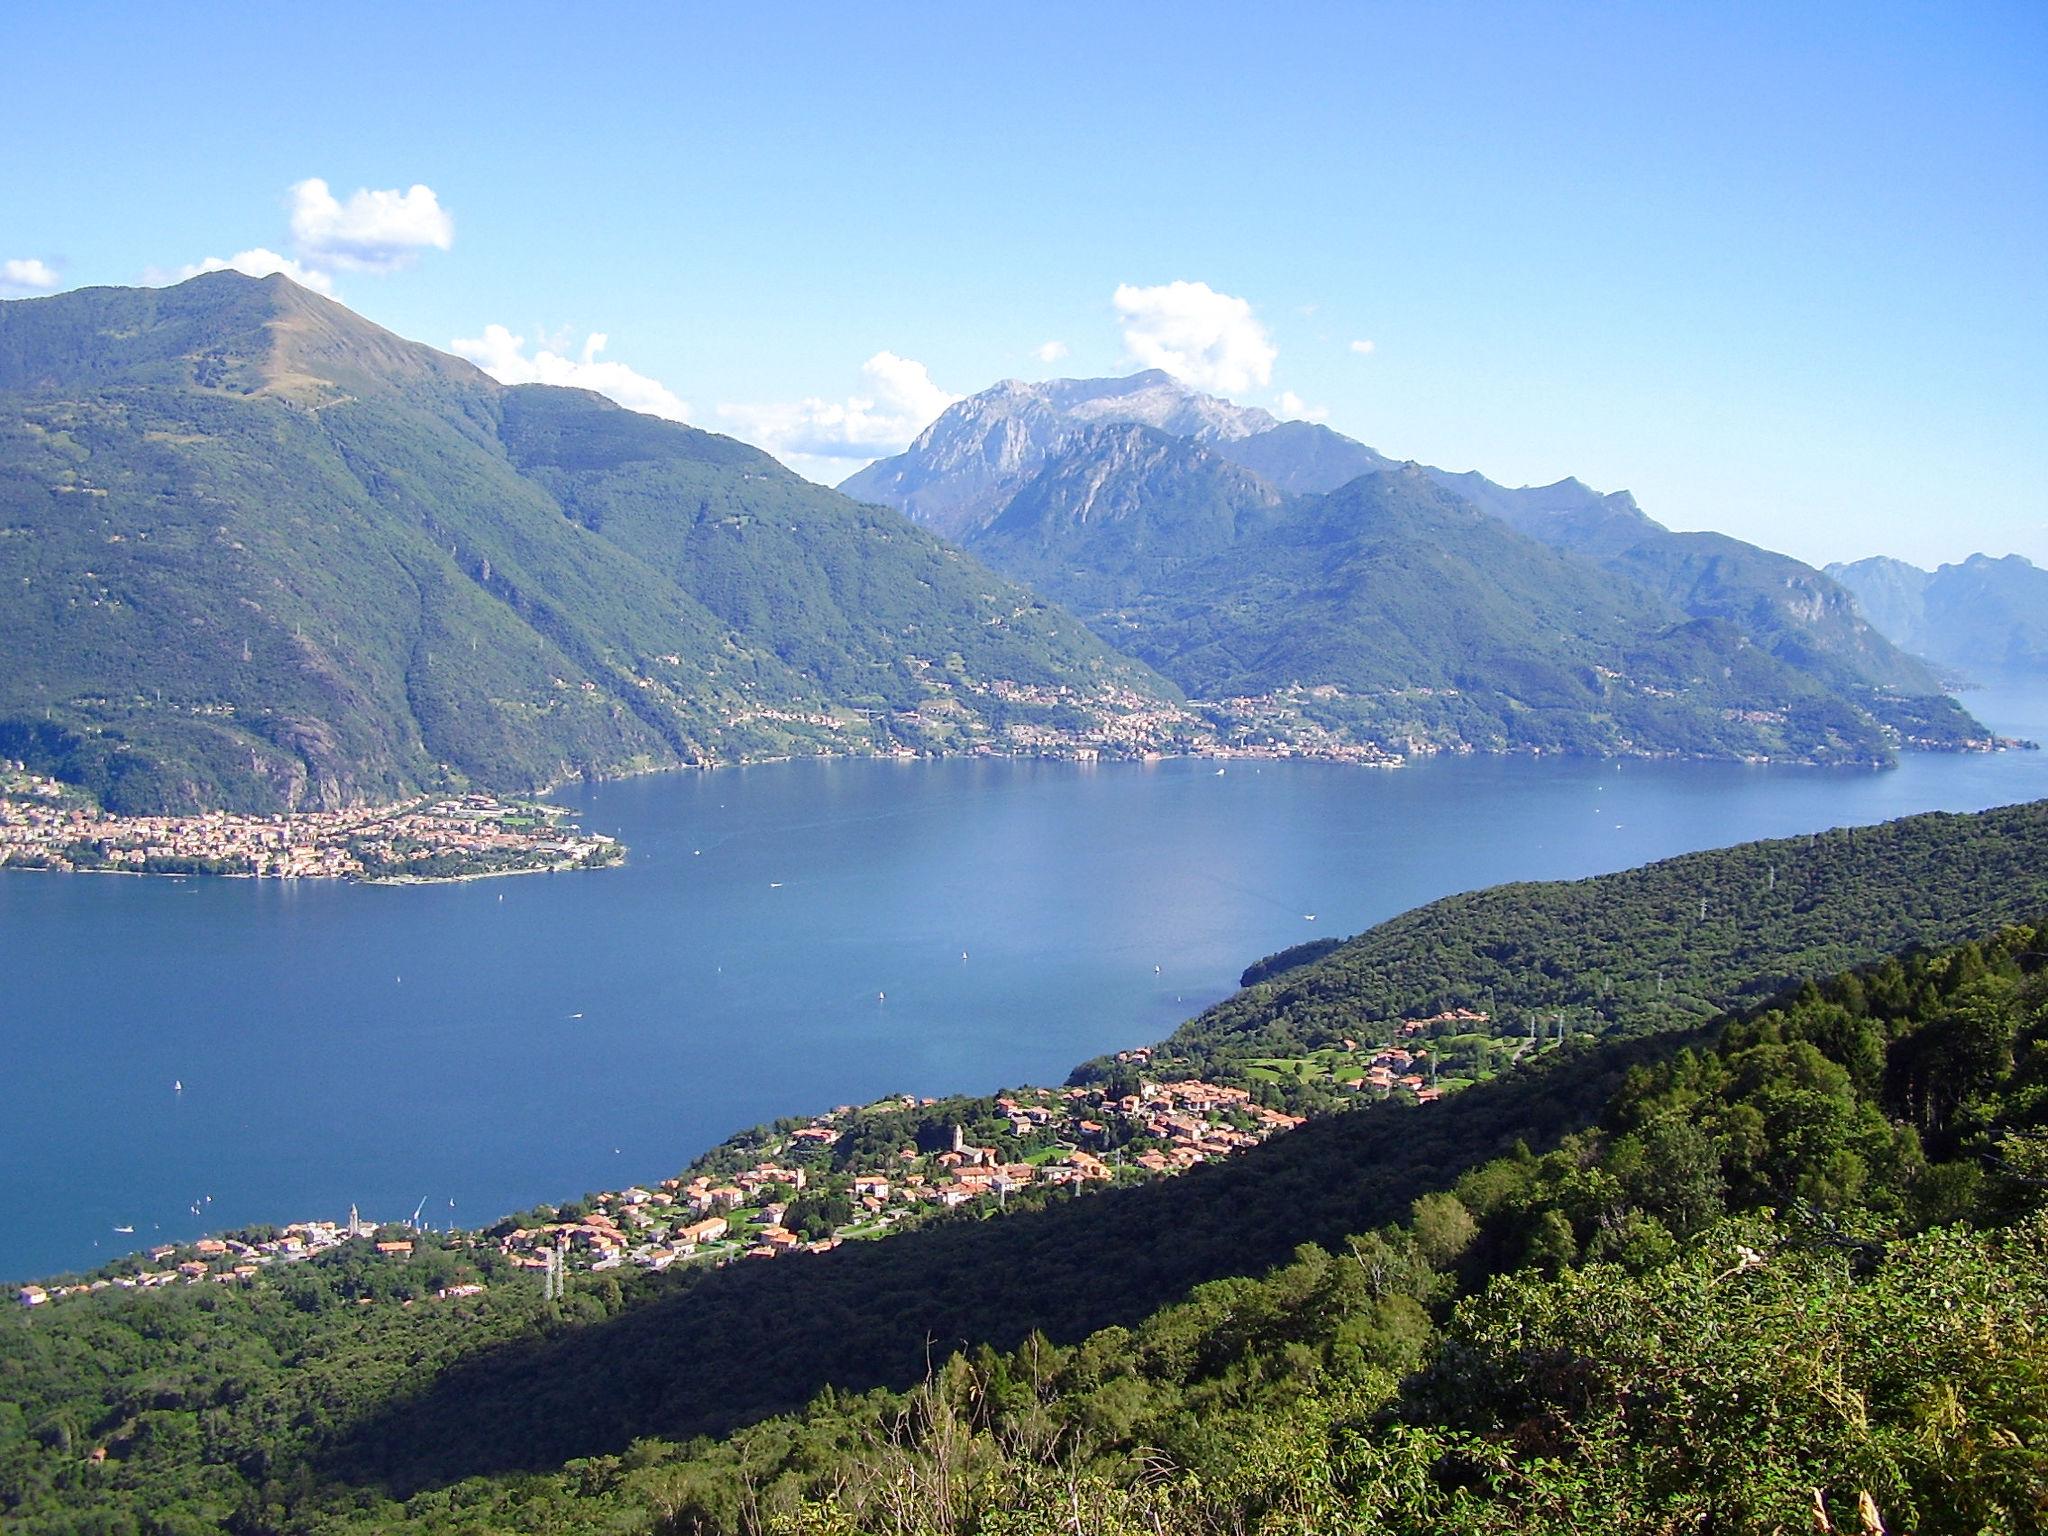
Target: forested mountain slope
(1646, 949)
(1791, 1278)
(1119, 513)
(1401, 607)
(1400, 613)
(1801, 615)
(263, 554)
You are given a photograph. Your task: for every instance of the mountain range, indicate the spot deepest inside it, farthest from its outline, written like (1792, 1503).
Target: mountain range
(1981, 618)
(1244, 557)
(263, 554)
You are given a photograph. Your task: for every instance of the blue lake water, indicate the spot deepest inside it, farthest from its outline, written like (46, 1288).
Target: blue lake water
(783, 939)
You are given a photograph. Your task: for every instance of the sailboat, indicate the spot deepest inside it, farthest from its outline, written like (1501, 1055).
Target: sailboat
(177, 1085)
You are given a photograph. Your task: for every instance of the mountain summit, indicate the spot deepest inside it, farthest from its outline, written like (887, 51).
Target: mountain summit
(982, 450)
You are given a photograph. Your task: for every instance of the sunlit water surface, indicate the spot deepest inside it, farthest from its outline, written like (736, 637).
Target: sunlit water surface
(783, 939)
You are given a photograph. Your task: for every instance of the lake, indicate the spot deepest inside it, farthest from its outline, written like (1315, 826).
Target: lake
(783, 939)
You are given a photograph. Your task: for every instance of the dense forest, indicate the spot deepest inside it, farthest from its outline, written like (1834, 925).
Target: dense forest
(1691, 1278)
(1659, 947)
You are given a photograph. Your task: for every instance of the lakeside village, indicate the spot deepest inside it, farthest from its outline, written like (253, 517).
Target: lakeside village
(1125, 724)
(804, 1186)
(45, 824)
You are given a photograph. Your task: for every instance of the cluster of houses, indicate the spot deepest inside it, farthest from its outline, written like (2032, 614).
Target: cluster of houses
(1074, 1137)
(1057, 1138)
(1279, 725)
(1394, 1066)
(1129, 724)
(228, 1261)
(1123, 722)
(45, 826)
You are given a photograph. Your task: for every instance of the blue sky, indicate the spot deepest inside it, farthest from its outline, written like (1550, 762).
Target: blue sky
(1778, 270)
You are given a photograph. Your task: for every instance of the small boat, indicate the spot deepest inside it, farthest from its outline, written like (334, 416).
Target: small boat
(575, 1015)
(125, 1231)
(1219, 773)
(881, 997)
(177, 1085)
(774, 885)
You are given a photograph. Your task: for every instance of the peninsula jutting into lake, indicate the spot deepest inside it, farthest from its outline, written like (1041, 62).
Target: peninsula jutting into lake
(49, 825)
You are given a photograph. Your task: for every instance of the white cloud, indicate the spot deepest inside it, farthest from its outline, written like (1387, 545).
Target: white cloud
(1294, 408)
(1208, 339)
(1051, 352)
(899, 400)
(27, 275)
(504, 357)
(374, 231)
(258, 262)
(1363, 348)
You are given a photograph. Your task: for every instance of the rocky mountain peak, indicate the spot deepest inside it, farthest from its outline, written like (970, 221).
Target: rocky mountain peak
(968, 463)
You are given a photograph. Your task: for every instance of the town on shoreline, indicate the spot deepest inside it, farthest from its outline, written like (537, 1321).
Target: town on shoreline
(49, 825)
(810, 1184)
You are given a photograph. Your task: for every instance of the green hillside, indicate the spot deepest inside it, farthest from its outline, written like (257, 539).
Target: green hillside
(1801, 616)
(1411, 617)
(1790, 1278)
(851, 596)
(264, 554)
(1649, 949)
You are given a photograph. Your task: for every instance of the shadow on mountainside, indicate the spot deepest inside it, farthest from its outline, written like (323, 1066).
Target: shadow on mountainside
(720, 1348)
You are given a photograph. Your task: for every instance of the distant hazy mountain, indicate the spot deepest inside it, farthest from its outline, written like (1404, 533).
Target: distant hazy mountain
(1301, 457)
(262, 553)
(1982, 617)
(966, 465)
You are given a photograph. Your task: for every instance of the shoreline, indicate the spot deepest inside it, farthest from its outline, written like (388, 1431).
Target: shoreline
(1219, 753)
(49, 826)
